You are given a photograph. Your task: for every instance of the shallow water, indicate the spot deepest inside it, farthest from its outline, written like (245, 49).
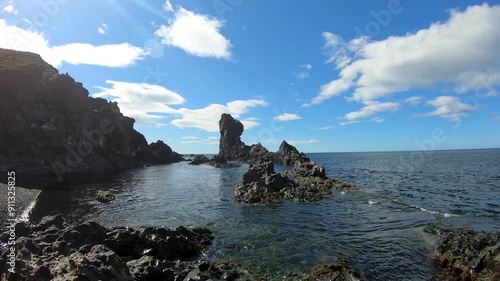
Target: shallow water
(380, 228)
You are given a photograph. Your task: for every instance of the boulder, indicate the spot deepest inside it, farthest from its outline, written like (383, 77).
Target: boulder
(339, 271)
(200, 159)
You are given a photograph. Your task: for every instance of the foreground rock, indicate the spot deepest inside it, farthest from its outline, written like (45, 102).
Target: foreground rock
(52, 250)
(469, 255)
(338, 271)
(261, 184)
(60, 132)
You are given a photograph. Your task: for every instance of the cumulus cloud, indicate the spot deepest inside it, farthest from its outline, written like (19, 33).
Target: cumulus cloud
(144, 102)
(303, 141)
(10, 8)
(287, 117)
(207, 118)
(307, 66)
(111, 55)
(461, 52)
(449, 107)
(102, 29)
(196, 34)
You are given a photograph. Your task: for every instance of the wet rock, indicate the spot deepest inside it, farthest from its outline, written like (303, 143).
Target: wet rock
(90, 251)
(200, 159)
(338, 271)
(105, 196)
(288, 155)
(468, 255)
(218, 161)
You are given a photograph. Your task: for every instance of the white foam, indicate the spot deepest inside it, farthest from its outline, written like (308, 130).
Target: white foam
(446, 215)
(372, 202)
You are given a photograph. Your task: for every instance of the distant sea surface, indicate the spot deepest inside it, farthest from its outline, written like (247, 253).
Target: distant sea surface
(383, 228)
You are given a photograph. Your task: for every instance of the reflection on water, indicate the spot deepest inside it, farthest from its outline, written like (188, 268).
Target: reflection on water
(385, 240)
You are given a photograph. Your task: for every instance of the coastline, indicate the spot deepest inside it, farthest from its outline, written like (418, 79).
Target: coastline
(25, 201)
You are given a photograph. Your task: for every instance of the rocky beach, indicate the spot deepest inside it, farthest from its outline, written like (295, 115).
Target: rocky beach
(63, 136)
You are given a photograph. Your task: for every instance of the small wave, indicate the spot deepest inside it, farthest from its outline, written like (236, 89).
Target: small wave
(25, 216)
(373, 202)
(446, 215)
(342, 192)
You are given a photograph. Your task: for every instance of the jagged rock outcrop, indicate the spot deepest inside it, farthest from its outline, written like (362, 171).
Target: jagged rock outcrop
(53, 250)
(468, 255)
(261, 184)
(50, 129)
(230, 145)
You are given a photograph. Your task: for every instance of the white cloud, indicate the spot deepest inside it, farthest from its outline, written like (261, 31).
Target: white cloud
(345, 123)
(302, 75)
(496, 119)
(190, 137)
(10, 9)
(461, 52)
(113, 55)
(141, 100)
(415, 100)
(307, 66)
(102, 29)
(191, 142)
(325, 128)
(303, 141)
(207, 118)
(448, 107)
(287, 117)
(196, 34)
(116, 55)
(372, 108)
(168, 6)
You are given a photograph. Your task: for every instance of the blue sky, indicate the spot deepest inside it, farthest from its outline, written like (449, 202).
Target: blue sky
(329, 76)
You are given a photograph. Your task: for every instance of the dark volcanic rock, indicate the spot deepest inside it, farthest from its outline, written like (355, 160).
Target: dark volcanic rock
(200, 159)
(50, 129)
(338, 271)
(288, 155)
(230, 145)
(90, 252)
(218, 161)
(468, 255)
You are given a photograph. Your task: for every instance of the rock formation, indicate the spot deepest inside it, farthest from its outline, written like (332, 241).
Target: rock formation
(338, 271)
(53, 250)
(468, 255)
(50, 129)
(230, 145)
(261, 184)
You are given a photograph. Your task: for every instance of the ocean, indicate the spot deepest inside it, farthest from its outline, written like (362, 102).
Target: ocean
(385, 228)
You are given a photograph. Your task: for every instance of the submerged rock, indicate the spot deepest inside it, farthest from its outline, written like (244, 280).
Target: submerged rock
(468, 255)
(105, 196)
(338, 271)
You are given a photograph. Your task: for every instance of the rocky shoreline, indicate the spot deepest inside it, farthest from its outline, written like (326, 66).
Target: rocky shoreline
(468, 255)
(53, 250)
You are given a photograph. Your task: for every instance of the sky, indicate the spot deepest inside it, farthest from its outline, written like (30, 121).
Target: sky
(332, 76)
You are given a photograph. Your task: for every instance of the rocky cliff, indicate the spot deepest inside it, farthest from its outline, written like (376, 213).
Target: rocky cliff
(51, 130)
